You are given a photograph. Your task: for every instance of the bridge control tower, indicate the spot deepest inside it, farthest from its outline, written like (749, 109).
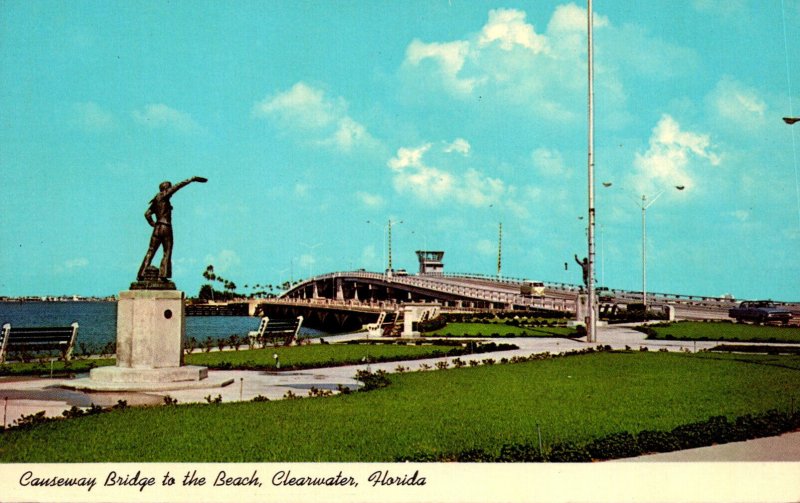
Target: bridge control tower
(430, 262)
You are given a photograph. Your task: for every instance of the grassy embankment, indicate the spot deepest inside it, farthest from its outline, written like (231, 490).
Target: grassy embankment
(722, 331)
(575, 398)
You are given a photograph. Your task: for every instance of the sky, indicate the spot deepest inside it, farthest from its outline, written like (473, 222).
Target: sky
(318, 123)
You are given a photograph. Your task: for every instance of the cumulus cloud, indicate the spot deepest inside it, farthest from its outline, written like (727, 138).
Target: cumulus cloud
(370, 200)
(91, 117)
(550, 163)
(669, 160)
(515, 64)
(738, 104)
(308, 111)
(431, 184)
(449, 59)
(459, 145)
(508, 29)
(160, 116)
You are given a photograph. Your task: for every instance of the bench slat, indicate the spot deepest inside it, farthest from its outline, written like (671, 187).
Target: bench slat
(37, 339)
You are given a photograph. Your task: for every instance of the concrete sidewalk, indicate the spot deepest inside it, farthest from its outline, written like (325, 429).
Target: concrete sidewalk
(29, 395)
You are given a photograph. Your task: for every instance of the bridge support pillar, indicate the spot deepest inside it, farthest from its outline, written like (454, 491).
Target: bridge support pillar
(339, 290)
(314, 291)
(355, 292)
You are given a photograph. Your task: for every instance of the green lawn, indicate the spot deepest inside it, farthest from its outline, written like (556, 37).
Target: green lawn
(316, 355)
(575, 398)
(297, 357)
(499, 330)
(723, 331)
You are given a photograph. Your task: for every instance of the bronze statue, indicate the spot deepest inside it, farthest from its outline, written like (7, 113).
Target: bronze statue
(585, 267)
(161, 209)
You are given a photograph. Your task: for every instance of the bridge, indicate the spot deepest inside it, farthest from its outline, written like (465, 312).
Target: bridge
(348, 300)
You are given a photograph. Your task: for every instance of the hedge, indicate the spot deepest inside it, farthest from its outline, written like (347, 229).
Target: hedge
(715, 430)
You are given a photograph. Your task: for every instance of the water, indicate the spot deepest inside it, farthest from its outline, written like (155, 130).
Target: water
(97, 321)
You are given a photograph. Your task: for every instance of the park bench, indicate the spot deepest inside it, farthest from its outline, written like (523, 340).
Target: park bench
(377, 327)
(276, 331)
(22, 340)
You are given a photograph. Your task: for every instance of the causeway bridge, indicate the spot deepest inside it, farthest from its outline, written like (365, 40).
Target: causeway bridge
(348, 300)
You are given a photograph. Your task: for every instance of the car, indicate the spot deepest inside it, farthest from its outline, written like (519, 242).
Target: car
(532, 289)
(760, 311)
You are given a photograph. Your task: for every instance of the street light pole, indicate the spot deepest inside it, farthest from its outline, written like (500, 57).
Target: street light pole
(644, 205)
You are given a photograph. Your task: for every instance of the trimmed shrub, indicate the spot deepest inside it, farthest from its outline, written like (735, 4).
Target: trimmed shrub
(656, 441)
(618, 445)
(568, 452)
(520, 453)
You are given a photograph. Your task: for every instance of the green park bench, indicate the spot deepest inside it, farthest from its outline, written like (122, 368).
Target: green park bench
(276, 331)
(20, 340)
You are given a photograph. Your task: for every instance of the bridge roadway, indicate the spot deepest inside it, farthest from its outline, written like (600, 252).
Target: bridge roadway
(361, 289)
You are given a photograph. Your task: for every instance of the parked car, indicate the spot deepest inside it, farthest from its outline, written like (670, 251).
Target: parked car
(760, 311)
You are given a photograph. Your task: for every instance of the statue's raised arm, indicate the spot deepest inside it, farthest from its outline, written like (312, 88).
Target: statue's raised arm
(175, 188)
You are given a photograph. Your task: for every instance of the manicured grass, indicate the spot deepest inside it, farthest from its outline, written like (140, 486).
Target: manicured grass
(59, 367)
(295, 357)
(316, 355)
(501, 329)
(723, 331)
(575, 398)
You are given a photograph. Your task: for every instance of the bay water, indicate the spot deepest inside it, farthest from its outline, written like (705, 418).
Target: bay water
(97, 321)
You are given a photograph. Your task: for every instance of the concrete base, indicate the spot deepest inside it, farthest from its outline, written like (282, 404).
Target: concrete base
(150, 333)
(129, 379)
(150, 329)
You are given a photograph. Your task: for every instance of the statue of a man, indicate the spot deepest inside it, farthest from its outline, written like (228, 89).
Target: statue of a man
(159, 216)
(585, 267)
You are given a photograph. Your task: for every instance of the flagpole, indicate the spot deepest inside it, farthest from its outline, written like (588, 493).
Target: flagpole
(591, 319)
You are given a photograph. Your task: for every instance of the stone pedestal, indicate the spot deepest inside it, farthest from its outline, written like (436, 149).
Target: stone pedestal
(150, 329)
(150, 335)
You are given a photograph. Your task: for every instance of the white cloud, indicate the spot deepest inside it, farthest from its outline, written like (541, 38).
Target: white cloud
(668, 160)
(76, 263)
(512, 64)
(158, 116)
(223, 261)
(91, 117)
(301, 106)
(432, 185)
(738, 104)
(507, 28)
(550, 163)
(449, 56)
(459, 145)
(322, 120)
(371, 200)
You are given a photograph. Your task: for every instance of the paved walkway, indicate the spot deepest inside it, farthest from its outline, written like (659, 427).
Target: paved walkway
(28, 395)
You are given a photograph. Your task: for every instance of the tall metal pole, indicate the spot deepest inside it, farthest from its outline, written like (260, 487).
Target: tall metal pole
(499, 249)
(644, 253)
(390, 246)
(591, 320)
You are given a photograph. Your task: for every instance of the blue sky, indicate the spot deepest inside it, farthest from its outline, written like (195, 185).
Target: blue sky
(311, 119)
